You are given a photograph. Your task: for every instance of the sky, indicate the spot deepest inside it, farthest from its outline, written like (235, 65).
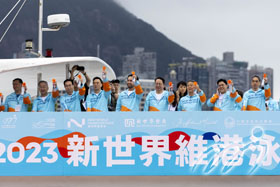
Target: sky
(249, 28)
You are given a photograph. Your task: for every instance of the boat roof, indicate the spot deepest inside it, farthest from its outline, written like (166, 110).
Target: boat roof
(22, 63)
(30, 70)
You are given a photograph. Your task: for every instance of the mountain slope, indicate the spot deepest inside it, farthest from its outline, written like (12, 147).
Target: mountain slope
(93, 22)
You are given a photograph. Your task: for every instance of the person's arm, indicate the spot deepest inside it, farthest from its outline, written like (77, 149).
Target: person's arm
(211, 102)
(63, 105)
(267, 91)
(26, 99)
(119, 104)
(233, 93)
(87, 78)
(138, 90)
(170, 98)
(55, 94)
(6, 106)
(76, 86)
(147, 103)
(276, 106)
(74, 68)
(82, 92)
(178, 96)
(180, 105)
(106, 87)
(236, 97)
(171, 94)
(201, 96)
(245, 102)
(2, 107)
(238, 101)
(34, 106)
(88, 104)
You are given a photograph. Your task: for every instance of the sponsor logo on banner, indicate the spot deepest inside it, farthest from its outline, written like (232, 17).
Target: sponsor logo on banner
(90, 123)
(129, 123)
(99, 122)
(76, 123)
(9, 122)
(229, 122)
(146, 122)
(48, 123)
(255, 122)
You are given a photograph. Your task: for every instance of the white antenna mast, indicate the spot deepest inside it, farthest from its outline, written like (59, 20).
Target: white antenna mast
(40, 34)
(56, 22)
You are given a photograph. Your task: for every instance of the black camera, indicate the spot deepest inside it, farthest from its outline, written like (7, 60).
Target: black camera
(79, 68)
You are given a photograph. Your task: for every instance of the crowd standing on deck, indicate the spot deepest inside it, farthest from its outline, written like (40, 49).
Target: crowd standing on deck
(104, 96)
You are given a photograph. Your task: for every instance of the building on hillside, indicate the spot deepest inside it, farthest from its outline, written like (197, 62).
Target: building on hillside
(227, 69)
(189, 70)
(259, 71)
(141, 62)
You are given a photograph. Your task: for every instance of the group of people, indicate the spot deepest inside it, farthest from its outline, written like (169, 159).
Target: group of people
(104, 96)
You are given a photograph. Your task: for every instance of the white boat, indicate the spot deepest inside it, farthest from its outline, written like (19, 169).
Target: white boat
(30, 69)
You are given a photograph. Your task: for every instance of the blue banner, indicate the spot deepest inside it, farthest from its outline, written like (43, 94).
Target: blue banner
(139, 143)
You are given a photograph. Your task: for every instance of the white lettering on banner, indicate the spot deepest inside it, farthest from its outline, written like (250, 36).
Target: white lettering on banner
(2, 151)
(155, 145)
(181, 152)
(77, 149)
(196, 151)
(32, 158)
(52, 146)
(10, 153)
(90, 150)
(119, 144)
(76, 123)
(266, 151)
(228, 150)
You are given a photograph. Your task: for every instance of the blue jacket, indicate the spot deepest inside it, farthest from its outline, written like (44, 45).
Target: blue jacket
(192, 103)
(17, 103)
(98, 102)
(47, 105)
(272, 105)
(71, 102)
(255, 100)
(230, 102)
(130, 102)
(152, 104)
